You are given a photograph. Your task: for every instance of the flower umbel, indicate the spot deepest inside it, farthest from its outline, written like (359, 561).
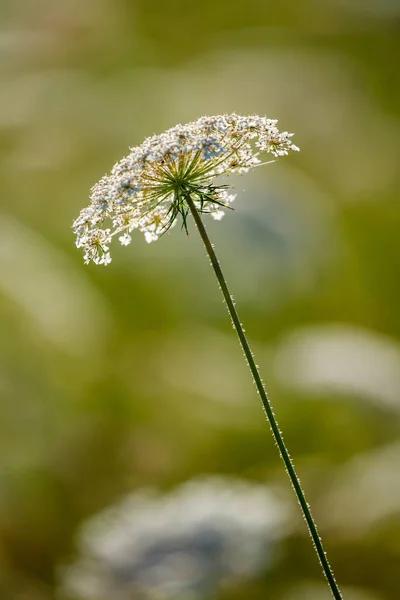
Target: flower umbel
(148, 189)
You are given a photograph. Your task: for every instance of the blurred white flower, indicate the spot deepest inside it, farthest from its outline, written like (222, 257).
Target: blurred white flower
(147, 190)
(183, 545)
(373, 475)
(342, 359)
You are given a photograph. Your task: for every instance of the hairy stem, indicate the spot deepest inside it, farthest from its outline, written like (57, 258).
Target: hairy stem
(266, 403)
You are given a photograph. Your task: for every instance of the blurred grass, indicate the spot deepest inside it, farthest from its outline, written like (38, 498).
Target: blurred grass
(116, 378)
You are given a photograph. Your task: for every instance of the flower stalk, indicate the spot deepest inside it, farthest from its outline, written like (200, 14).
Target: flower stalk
(294, 479)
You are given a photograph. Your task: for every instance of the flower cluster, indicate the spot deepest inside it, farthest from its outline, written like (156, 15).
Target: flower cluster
(188, 544)
(147, 190)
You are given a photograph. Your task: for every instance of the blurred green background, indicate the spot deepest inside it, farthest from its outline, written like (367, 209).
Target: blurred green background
(128, 377)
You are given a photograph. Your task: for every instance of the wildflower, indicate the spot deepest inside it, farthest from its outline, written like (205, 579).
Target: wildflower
(206, 534)
(172, 175)
(148, 189)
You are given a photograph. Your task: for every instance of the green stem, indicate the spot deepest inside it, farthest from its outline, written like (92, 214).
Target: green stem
(266, 403)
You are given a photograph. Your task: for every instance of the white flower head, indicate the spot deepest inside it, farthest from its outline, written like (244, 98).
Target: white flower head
(206, 534)
(125, 239)
(148, 189)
